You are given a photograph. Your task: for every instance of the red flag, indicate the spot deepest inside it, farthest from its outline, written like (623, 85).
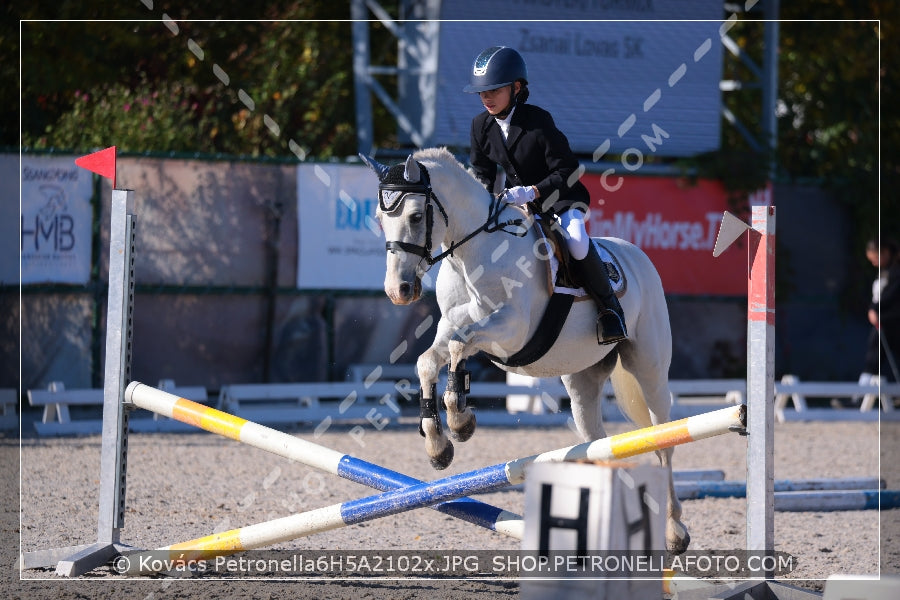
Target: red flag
(102, 163)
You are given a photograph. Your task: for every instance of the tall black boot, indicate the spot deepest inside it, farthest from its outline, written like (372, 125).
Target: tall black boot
(592, 276)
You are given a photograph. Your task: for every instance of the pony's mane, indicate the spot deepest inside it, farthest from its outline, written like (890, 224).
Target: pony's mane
(440, 156)
(436, 159)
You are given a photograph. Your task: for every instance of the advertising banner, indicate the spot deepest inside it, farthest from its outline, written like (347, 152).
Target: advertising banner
(606, 82)
(675, 222)
(340, 243)
(9, 219)
(56, 221)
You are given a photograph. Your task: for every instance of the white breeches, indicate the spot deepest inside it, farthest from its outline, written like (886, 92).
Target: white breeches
(576, 235)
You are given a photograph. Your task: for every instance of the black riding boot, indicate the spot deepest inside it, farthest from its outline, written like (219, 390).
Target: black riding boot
(592, 276)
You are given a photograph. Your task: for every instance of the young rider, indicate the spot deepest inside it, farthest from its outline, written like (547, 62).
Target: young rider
(540, 170)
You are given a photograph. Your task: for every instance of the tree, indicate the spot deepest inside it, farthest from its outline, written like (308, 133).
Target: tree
(831, 127)
(830, 90)
(276, 88)
(151, 86)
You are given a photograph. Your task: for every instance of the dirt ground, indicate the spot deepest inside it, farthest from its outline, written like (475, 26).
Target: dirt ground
(182, 486)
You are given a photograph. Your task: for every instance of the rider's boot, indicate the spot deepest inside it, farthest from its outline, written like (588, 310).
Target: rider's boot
(592, 276)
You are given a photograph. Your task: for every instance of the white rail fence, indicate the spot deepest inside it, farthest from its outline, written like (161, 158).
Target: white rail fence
(383, 392)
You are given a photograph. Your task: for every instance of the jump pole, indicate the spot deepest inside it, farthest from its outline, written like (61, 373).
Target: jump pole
(312, 455)
(833, 500)
(693, 490)
(425, 494)
(698, 475)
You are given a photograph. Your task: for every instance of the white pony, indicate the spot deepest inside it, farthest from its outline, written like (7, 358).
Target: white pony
(492, 289)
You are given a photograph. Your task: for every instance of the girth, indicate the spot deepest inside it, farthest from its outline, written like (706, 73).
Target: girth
(549, 327)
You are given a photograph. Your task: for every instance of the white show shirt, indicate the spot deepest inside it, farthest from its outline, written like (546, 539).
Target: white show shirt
(504, 123)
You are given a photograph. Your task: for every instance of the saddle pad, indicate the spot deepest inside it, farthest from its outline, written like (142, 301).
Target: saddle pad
(610, 262)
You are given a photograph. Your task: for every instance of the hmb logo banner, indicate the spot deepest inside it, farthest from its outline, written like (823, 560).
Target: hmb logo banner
(55, 225)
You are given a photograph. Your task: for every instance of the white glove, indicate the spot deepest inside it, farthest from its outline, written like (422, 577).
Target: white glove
(519, 195)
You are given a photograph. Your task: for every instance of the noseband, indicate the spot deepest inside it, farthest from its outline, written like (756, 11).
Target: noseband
(390, 199)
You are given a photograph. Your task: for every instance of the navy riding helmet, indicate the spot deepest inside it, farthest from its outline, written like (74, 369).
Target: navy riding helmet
(496, 67)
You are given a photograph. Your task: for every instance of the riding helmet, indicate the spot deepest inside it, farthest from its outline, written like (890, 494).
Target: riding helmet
(496, 67)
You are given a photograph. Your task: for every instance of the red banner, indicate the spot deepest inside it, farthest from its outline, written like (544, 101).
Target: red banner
(675, 222)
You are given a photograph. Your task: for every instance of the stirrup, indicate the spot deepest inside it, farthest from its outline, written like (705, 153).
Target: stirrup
(618, 332)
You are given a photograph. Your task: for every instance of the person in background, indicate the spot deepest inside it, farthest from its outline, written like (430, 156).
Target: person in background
(884, 312)
(540, 169)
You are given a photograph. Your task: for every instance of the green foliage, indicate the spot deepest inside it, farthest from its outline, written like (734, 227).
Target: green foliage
(830, 127)
(741, 171)
(164, 115)
(257, 88)
(831, 83)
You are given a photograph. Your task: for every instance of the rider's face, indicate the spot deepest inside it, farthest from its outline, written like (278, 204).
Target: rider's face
(497, 100)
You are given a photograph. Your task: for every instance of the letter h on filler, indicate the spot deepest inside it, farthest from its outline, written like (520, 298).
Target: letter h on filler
(592, 521)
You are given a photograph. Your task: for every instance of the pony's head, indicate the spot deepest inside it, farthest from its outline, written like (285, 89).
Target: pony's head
(413, 220)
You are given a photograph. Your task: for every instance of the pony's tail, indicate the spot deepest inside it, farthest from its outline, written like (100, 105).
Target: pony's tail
(629, 395)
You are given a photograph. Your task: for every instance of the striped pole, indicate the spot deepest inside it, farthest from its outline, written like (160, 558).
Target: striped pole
(686, 477)
(312, 455)
(698, 475)
(694, 490)
(640, 441)
(425, 494)
(826, 501)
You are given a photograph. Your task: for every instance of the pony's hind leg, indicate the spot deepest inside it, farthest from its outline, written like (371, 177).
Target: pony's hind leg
(659, 399)
(460, 418)
(586, 393)
(677, 537)
(437, 445)
(644, 386)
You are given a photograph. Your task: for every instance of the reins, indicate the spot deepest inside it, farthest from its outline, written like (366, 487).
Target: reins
(491, 225)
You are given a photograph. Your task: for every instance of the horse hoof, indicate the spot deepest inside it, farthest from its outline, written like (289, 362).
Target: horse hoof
(678, 545)
(466, 431)
(443, 460)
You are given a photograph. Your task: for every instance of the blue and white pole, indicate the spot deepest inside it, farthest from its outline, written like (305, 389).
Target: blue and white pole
(313, 455)
(418, 495)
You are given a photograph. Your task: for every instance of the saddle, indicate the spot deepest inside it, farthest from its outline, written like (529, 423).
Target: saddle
(563, 292)
(559, 269)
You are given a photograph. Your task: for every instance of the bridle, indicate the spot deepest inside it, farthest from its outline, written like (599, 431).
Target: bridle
(392, 195)
(390, 199)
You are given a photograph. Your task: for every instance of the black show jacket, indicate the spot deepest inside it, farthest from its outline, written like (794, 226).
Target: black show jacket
(535, 153)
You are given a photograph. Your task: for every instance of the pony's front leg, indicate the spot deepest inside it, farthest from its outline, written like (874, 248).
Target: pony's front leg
(437, 445)
(484, 330)
(460, 418)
